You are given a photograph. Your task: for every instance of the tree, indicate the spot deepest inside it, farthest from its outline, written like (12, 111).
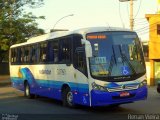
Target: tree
(16, 25)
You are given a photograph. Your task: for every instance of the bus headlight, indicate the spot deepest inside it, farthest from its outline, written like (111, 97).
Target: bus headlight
(98, 87)
(143, 83)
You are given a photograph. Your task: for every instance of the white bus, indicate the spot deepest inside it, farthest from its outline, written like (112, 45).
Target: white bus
(96, 66)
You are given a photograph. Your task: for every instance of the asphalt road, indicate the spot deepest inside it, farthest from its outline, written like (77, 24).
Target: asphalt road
(15, 106)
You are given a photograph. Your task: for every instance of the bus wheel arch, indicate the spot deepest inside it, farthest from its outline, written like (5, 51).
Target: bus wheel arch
(67, 96)
(27, 92)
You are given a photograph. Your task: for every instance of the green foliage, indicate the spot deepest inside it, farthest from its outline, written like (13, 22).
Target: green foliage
(15, 24)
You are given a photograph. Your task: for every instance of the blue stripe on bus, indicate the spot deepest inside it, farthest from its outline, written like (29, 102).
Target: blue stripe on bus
(52, 89)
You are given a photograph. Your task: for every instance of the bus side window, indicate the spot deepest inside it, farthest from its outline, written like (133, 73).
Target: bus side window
(33, 54)
(76, 44)
(50, 55)
(22, 54)
(13, 55)
(65, 47)
(26, 54)
(80, 60)
(55, 51)
(19, 56)
(77, 41)
(43, 52)
(68, 47)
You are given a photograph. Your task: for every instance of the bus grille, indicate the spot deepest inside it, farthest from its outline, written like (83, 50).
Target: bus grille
(122, 88)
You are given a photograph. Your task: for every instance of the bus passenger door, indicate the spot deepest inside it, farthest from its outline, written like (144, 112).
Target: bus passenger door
(81, 76)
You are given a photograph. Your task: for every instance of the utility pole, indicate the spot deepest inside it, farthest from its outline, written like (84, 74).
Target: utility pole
(131, 13)
(158, 8)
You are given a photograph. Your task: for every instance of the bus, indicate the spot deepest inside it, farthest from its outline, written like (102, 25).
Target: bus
(95, 66)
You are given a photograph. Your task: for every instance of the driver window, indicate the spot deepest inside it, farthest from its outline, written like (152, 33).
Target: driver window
(81, 62)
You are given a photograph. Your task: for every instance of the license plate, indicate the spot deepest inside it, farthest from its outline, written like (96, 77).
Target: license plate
(124, 94)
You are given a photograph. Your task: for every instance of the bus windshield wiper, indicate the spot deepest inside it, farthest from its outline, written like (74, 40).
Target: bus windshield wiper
(114, 55)
(112, 61)
(124, 59)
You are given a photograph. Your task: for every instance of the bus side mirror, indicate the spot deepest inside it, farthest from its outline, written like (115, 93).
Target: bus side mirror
(88, 48)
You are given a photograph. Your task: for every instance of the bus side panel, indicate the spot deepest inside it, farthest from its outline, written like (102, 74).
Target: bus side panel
(48, 88)
(50, 85)
(20, 75)
(81, 93)
(16, 77)
(17, 83)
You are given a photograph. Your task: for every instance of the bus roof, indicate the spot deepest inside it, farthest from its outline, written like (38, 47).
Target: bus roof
(82, 31)
(98, 29)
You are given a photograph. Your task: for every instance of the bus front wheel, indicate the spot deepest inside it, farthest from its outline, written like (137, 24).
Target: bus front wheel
(27, 91)
(67, 97)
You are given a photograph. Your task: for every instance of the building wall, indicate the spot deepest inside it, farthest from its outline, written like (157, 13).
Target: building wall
(154, 37)
(154, 45)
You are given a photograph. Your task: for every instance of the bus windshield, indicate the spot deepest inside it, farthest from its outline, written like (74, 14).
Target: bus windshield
(116, 55)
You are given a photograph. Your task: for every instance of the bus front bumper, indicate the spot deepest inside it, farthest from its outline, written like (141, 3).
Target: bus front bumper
(103, 98)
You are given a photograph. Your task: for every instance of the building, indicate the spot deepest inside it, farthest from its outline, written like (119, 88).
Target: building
(154, 47)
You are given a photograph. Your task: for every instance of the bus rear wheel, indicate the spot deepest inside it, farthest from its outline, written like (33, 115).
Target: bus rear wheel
(67, 97)
(27, 91)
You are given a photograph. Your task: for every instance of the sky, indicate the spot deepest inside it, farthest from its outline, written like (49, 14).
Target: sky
(94, 13)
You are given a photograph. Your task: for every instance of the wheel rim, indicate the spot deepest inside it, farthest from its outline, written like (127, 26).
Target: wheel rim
(27, 90)
(70, 98)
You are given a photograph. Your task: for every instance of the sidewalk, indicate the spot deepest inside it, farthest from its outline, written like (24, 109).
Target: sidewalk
(5, 80)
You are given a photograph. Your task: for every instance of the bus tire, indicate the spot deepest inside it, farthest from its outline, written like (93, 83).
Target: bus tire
(27, 91)
(67, 97)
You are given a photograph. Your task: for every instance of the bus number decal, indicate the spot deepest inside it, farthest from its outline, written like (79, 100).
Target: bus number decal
(61, 72)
